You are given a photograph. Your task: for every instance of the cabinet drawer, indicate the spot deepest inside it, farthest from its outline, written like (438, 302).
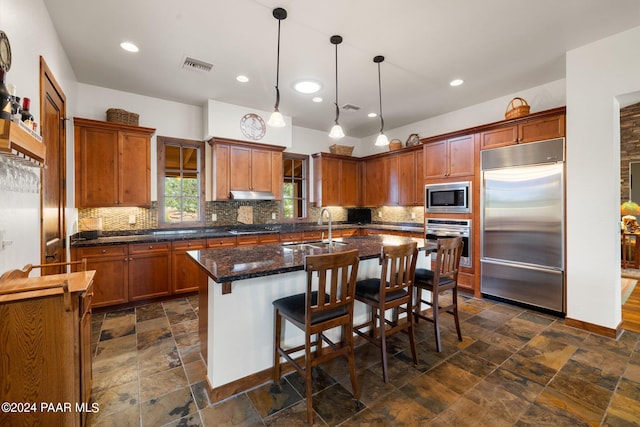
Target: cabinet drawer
(220, 242)
(313, 235)
(248, 240)
(269, 238)
(189, 245)
(147, 248)
(102, 251)
(290, 237)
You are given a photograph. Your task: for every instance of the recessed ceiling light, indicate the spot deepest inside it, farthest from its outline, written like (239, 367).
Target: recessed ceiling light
(372, 115)
(242, 79)
(456, 82)
(317, 99)
(129, 47)
(307, 86)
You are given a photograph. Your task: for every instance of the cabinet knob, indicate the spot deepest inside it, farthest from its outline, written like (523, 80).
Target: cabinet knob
(150, 247)
(104, 251)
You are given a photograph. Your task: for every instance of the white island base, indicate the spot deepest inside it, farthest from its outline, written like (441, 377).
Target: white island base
(240, 327)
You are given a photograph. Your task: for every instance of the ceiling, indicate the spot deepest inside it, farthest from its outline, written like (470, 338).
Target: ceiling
(497, 47)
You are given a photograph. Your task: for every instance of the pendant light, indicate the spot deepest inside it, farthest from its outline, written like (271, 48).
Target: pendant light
(276, 119)
(382, 138)
(336, 130)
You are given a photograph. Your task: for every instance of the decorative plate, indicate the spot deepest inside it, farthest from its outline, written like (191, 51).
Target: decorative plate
(413, 139)
(252, 126)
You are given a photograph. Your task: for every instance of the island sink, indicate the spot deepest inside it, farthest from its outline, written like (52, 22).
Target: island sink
(312, 245)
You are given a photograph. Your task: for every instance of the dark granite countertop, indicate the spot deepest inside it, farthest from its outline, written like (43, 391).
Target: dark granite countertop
(168, 235)
(245, 262)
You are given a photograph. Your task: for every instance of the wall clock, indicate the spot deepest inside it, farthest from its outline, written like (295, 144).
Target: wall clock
(252, 126)
(5, 52)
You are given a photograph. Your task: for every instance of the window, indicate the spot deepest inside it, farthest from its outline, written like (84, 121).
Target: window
(180, 182)
(294, 191)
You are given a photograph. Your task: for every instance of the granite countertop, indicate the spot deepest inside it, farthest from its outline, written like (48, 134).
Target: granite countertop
(168, 235)
(244, 262)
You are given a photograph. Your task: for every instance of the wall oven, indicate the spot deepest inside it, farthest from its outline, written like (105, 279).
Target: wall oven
(450, 197)
(439, 228)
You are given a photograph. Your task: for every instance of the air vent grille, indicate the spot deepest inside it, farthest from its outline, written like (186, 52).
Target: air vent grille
(350, 107)
(197, 65)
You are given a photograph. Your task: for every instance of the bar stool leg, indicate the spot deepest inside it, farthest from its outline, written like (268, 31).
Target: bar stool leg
(276, 359)
(436, 318)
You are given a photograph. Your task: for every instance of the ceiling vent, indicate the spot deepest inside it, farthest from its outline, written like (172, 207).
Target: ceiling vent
(197, 65)
(350, 107)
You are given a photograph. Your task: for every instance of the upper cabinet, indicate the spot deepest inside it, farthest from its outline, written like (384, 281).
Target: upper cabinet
(529, 129)
(410, 182)
(245, 166)
(112, 164)
(449, 158)
(336, 180)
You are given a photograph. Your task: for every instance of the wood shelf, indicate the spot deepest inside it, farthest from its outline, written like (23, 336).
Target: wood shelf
(18, 144)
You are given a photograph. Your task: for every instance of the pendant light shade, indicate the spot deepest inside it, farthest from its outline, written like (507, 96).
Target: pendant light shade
(382, 138)
(276, 119)
(336, 130)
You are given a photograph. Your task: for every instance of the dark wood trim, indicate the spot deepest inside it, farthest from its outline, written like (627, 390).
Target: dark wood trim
(226, 288)
(217, 140)
(596, 329)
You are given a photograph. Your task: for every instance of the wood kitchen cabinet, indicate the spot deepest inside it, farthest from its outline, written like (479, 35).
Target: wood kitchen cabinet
(45, 336)
(449, 158)
(112, 164)
(111, 281)
(186, 275)
(410, 178)
(245, 166)
(336, 180)
(532, 128)
(375, 181)
(149, 270)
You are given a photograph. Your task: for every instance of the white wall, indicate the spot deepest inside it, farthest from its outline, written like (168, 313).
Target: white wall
(31, 35)
(596, 75)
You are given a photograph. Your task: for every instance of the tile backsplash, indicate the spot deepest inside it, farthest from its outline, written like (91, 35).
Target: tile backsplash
(118, 219)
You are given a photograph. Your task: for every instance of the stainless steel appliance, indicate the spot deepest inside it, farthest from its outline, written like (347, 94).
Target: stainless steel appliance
(522, 232)
(438, 228)
(450, 197)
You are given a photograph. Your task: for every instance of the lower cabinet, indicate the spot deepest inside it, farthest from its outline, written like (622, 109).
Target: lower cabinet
(149, 270)
(45, 336)
(111, 282)
(186, 275)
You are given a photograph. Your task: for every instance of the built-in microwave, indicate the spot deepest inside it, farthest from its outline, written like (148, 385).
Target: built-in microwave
(449, 197)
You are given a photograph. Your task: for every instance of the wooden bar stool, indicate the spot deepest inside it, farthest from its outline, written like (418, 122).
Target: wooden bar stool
(392, 290)
(327, 304)
(444, 277)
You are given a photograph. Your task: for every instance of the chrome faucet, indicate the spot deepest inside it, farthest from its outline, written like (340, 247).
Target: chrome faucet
(330, 222)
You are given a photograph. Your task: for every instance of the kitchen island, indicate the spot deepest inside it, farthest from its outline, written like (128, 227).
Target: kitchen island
(236, 314)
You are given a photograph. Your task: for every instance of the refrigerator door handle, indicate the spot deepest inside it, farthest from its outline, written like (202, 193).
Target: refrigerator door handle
(521, 265)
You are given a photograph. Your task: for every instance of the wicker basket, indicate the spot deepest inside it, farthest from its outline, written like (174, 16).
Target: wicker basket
(344, 150)
(395, 144)
(515, 111)
(117, 115)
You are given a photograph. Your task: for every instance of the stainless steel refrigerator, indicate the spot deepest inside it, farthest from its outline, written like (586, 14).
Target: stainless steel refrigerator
(522, 230)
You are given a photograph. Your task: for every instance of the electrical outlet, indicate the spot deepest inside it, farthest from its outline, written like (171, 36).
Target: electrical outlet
(214, 217)
(413, 215)
(273, 215)
(132, 219)
(379, 214)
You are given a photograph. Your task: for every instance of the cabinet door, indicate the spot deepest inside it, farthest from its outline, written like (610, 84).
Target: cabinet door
(149, 270)
(240, 168)
(349, 183)
(539, 130)
(96, 162)
(110, 284)
(419, 177)
(277, 174)
(407, 181)
(375, 182)
(328, 190)
(435, 160)
(187, 276)
(261, 170)
(221, 172)
(461, 156)
(392, 180)
(134, 170)
(499, 137)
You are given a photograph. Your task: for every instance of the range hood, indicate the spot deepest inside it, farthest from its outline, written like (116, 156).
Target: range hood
(252, 195)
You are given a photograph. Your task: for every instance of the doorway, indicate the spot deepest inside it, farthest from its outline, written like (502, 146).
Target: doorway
(54, 175)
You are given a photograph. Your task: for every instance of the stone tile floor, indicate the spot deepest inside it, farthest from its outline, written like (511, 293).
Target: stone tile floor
(514, 367)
